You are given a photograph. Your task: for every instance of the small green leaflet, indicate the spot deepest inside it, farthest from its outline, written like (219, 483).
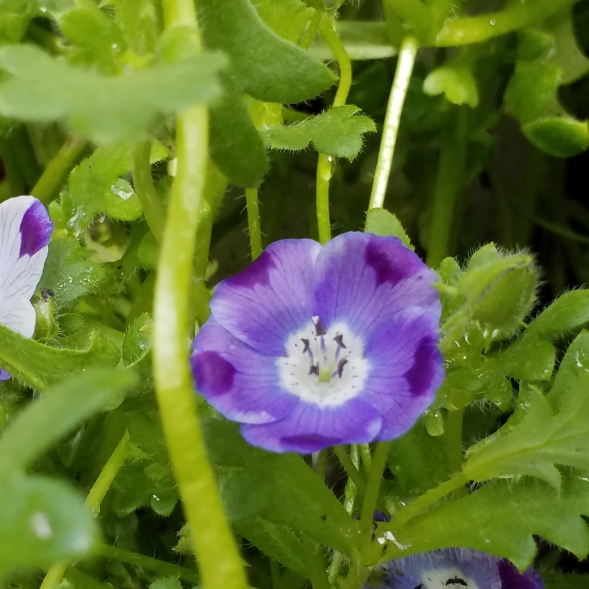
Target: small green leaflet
(102, 108)
(337, 132)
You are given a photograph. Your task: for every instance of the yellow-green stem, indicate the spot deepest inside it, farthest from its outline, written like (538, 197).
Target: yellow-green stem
(405, 62)
(49, 184)
(216, 551)
(253, 221)
(151, 203)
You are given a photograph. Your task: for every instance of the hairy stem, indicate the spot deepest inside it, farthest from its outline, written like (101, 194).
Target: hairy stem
(253, 221)
(151, 203)
(351, 470)
(215, 547)
(405, 62)
(52, 179)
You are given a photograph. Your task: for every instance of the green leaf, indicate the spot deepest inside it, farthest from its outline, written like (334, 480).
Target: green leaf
(529, 358)
(68, 272)
(236, 146)
(531, 89)
(42, 522)
(102, 108)
(95, 185)
(456, 82)
(166, 583)
(381, 222)
(501, 519)
(559, 136)
(546, 430)
(278, 542)
(97, 38)
(337, 132)
(139, 22)
(40, 366)
(566, 314)
(279, 488)
(287, 18)
(263, 65)
(55, 414)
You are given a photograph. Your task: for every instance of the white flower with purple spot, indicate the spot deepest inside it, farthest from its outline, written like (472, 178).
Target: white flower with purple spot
(457, 568)
(25, 229)
(313, 346)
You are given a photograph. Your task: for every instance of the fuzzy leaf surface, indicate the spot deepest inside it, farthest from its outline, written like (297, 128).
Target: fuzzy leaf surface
(337, 132)
(102, 108)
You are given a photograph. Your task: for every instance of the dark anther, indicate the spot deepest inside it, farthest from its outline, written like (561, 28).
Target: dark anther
(339, 340)
(457, 581)
(420, 586)
(314, 369)
(319, 329)
(306, 342)
(340, 366)
(47, 293)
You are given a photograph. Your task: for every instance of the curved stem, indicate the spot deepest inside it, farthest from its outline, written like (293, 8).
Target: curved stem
(448, 187)
(405, 62)
(48, 185)
(151, 204)
(253, 221)
(333, 41)
(476, 29)
(325, 162)
(219, 561)
(94, 499)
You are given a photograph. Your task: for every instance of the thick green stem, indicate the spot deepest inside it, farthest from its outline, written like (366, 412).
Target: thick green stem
(476, 29)
(160, 567)
(151, 203)
(351, 470)
(218, 557)
(379, 462)
(253, 221)
(324, 173)
(448, 186)
(94, 499)
(453, 437)
(405, 62)
(52, 179)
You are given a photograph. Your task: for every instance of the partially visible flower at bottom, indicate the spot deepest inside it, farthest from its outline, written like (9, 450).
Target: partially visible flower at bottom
(25, 229)
(313, 346)
(456, 568)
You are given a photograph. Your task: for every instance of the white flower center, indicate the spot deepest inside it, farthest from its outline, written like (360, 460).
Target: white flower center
(326, 367)
(452, 577)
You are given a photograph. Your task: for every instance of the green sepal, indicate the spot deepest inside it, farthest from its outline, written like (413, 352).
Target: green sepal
(456, 81)
(568, 313)
(46, 326)
(560, 136)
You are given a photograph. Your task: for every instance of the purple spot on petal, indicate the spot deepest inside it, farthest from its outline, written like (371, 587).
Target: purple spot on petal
(420, 375)
(35, 229)
(511, 578)
(306, 444)
(212, 373)
(4, 375)
(257, 273)
(386, 270)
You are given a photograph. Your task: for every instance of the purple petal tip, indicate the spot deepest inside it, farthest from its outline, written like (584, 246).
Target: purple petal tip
(35, 229)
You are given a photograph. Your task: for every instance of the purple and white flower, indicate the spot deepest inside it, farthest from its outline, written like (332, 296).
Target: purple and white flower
(457, 568)
(313, 345)
(25, 229)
